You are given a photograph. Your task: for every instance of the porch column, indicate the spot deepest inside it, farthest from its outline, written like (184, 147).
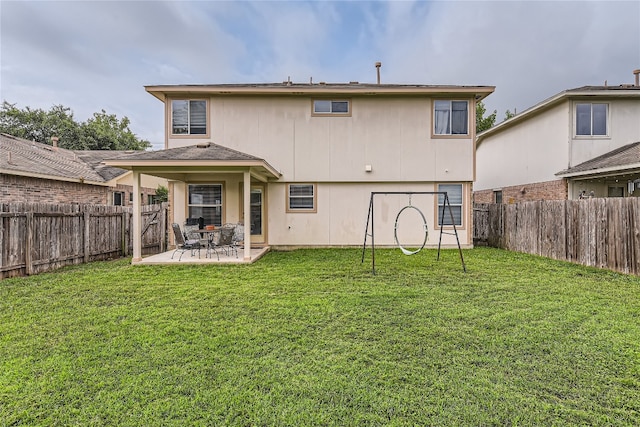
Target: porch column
(136, 218)
(247, 215)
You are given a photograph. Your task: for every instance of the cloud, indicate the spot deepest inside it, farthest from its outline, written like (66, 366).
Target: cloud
(528, 50)
(101, 54)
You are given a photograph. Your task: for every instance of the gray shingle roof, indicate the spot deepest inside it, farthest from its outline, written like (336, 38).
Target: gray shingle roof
(626, 155)
(316, 86)
(602, 88)
(20, 156)
(206, 151)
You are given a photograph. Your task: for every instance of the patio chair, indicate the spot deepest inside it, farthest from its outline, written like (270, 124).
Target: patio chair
(191, 233)
(213, 242)
(183, 244)
(226, 240)
(237, 242)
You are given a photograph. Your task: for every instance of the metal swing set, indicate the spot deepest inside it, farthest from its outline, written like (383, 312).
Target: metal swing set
(445, 205)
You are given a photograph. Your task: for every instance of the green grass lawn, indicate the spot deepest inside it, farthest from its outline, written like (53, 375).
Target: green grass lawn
(311, 337)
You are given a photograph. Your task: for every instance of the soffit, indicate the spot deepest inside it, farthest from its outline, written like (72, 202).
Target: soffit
(317, 89)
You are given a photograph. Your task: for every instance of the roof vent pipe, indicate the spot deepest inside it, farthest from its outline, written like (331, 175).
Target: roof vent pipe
(637, 74)
(378, 65)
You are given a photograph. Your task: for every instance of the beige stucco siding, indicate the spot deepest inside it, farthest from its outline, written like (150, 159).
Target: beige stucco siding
(393, 136)
(341, 216)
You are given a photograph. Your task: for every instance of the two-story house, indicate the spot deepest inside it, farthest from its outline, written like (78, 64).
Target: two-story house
(296, 163)
(582, 142)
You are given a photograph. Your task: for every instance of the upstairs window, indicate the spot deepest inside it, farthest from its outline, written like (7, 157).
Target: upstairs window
(301, 198)
(331, 107)
(188, 117)
(451, 117)
(591, 119)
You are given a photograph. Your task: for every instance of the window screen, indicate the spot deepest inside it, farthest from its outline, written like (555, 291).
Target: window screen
(454, 193)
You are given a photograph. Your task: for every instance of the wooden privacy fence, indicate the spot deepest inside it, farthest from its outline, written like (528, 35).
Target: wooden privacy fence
(37, 237)
(601, 232)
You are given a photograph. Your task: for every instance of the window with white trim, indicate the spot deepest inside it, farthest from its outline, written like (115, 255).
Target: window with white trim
(331, 107)
(451, 117)
(205, 200)
(188, 117)
(591, 119)
(454, 193)
(301, 198)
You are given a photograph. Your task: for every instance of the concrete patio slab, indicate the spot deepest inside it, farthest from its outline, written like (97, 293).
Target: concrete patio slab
(164, 258)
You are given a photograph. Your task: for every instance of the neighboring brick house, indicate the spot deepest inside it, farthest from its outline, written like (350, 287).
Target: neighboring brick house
(39, 173)
(580, 142)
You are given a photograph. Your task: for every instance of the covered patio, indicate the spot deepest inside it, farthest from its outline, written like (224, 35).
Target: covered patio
(613, 174)
(201, 163)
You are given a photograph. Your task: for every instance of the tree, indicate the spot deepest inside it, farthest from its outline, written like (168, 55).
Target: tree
(101, 132)
(105, 132)
(484, 123)
(508, 114)
(162, 193)
(39, 125)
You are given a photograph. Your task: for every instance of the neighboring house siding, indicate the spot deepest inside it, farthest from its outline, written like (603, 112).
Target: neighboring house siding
(528, 152)
(533, 147)
(550, 190)
(16, 188)
(624, 128)
(128, 189)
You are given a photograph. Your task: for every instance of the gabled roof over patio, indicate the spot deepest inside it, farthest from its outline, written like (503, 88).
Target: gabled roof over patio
(625, 159)
(204, 158)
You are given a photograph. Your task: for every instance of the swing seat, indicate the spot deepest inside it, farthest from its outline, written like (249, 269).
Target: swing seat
(424, 225)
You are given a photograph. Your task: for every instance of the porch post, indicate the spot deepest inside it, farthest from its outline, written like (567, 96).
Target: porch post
(137, 218)
(247, 215)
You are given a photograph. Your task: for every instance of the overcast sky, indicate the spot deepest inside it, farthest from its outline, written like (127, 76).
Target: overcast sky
(90, 56)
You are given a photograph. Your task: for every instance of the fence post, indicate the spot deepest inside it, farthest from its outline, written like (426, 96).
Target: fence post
(87, 246)
(163, 226)
(28, 260)
(123, 234)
